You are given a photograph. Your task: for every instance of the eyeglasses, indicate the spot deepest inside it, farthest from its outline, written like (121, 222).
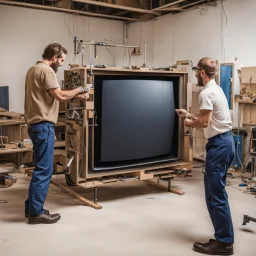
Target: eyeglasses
(196, 69)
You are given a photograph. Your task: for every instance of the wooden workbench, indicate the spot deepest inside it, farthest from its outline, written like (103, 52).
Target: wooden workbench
(19, 152)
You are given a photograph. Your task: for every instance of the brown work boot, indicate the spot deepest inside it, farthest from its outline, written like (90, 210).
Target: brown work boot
(198, 243)
(45, 211)
(214, 247)
(43, 218)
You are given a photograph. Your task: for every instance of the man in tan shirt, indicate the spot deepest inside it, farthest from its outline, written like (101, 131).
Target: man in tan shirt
(42, 96)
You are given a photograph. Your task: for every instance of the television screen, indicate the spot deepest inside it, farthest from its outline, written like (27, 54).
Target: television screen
(137, 121)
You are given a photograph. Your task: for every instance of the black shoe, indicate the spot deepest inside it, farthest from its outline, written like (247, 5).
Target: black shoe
(43, 219)
(45, 211)
(198, 243)
(214, 247)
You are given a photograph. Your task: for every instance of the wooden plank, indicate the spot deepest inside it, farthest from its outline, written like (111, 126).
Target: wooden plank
(58, 144)
(144, 176)
(11, 146)
(89, 105)
(85, 139)
(9, 114)
(76, 195)
(156, 169)
(11, 151)
(11, 122)
(57, 9)
(140, 71)
(183, 62)
(246, 101)
(91, 184)
(248, 75)
(171, 9)
(60, 124)
(154, 184)
(116, 6)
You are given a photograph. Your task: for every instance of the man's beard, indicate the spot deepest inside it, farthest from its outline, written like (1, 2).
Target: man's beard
(55, 66)
(200, 81)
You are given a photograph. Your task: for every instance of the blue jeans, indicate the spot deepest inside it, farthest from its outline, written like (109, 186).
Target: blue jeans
(43, 136)
(220, 153)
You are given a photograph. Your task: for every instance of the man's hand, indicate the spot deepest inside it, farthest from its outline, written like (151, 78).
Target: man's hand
(187, 122)
(182, 112)
(82, 96)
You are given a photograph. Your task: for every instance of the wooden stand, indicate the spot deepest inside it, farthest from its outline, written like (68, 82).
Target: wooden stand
(81, 198)
(87, 202)
(169, 189)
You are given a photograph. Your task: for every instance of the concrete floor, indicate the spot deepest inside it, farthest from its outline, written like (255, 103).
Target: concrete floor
(136, 219)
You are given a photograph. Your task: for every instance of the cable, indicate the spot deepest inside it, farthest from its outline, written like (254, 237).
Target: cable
(140, 34)
(129, 56)
(223, 53)
(221, 2)
(114, 61)
(84, 147)
(67, 25)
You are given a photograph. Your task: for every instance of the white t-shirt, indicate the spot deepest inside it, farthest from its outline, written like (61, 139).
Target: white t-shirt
(213, 98)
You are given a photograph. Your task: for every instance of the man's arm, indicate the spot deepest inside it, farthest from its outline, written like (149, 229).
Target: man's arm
(202, 121)
(64, 95)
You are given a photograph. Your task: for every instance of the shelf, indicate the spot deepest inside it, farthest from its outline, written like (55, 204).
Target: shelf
(11, 122)
(245, 102)
(10, 151)
(59, 144)
(249, 124)
(60, 124)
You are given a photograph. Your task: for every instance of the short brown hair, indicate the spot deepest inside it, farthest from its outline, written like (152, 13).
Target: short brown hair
(54, 50)
(209, 66)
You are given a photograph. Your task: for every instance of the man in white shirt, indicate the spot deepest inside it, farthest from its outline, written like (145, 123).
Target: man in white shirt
(214, 118)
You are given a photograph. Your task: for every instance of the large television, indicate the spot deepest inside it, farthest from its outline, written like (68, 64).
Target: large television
(136, 121)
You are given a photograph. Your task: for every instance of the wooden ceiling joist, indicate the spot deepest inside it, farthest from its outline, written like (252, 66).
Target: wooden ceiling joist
(43, 7)
(171, 9)
(198, 2)
(116, 6)
(168, 5)
(183, 8)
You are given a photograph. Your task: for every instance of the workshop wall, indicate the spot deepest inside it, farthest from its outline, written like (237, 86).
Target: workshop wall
(26, 32)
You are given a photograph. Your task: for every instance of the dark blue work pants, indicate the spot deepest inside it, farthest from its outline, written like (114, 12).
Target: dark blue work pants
(220, 153)
(43, 136)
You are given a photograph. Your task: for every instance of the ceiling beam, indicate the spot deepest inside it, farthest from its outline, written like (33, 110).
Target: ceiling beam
(182, 8)
(198, 6)
(198, 2)
(121, 13)
(116, 6)
(168, 5)
(171, 9)
(43, 7)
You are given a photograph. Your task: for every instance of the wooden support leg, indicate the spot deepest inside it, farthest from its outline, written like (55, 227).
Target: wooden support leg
(169, 189)
(19, 159)
(95, 195)
(76, 195)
